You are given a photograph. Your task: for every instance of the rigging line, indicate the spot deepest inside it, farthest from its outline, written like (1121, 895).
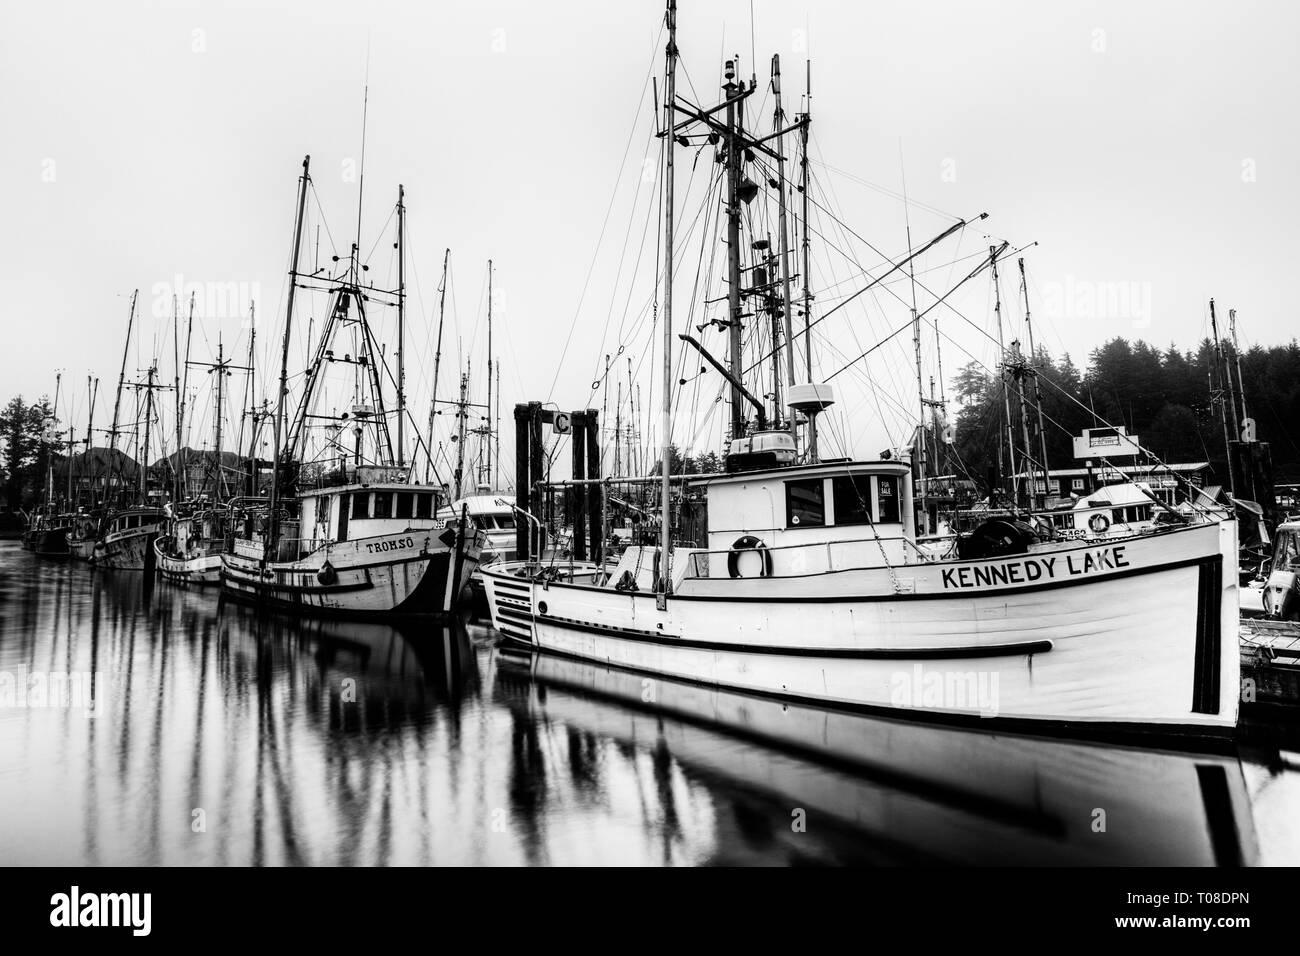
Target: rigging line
(608, 210)
(644, 311)
(1072, 398)
(881, 189)
(853, 331)
(901, 328)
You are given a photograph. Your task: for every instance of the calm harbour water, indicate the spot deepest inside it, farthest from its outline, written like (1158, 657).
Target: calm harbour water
(220, 736)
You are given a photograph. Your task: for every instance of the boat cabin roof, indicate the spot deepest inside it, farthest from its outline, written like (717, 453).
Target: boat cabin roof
(825, 469)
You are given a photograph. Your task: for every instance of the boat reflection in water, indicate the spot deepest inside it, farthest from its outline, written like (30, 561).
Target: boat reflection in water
(224, 736)
(916, 793)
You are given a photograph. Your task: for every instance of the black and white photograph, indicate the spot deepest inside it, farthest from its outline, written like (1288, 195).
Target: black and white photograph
(734, 434)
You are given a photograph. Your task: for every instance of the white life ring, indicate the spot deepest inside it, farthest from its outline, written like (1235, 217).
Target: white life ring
(1099, 523)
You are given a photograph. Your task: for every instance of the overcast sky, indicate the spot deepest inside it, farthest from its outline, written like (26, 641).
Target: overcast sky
(1151, 150)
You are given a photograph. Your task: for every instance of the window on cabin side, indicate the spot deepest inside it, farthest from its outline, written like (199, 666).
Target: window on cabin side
(852, 495)
(361, 505)
(405, 503)
(424, 505)
(887, 492)
(384, 504)
(805, 504)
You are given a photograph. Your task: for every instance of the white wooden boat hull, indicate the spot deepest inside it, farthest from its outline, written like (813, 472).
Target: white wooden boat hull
(126, 550)
(424, 577)
(203, 569)
(1146, 644)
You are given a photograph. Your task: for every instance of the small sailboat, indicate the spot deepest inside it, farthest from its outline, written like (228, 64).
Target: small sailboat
(810, 585)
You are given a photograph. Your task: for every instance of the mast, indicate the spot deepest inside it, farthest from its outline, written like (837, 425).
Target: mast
(778, 121)
(1241, 397)
(488, 471)
(437, 358)
(121, 379)
(284, 355)
(49, 446)
(922, 449)
(922, 443)
(1236, 355)
(71, 435)
(664, 585)
(185, 386)
(148, 421)
(807, 295)
(401, 326)
(1019, 367)
(1227, 407)
(1038, 393)
(249, 403)
(496, 477)
(221, 374)
(618, 429)
(176, 381)
(460, 428)
(735, 119)
(1006, 393)
(90, 430)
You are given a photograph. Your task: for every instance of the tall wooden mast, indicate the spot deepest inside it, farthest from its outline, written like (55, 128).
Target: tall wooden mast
(437, 358)
(401, 326)
(121, 378)
(804, 243)
(778, 121)
(303, 180)
(663, 586)
(735, 121)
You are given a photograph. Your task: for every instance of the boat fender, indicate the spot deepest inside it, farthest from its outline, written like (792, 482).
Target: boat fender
(327, 575)
(1099, 523)
(749, 543)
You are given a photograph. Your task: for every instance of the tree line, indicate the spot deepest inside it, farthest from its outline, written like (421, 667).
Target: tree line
(1163, 397)
(26, 431)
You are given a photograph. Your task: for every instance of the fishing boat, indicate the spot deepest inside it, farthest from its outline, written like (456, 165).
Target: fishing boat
(52, 539)
(347, 533)
(810, 585)
(83, 534)
(126, 541)
(189, 549)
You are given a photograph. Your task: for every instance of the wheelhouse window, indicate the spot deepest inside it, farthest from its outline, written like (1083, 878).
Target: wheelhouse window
(405, 504)
(852, 496)
(887, 499)
(424, 505)
(384, 504)
(805, 503)
(361, 506)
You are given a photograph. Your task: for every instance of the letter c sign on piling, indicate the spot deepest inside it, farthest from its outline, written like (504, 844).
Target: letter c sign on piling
(562, 423)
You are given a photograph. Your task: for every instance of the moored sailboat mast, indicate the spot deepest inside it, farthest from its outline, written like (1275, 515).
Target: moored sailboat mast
(278, 428)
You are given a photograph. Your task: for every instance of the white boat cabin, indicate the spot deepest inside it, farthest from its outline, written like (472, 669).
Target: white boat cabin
(349, 512)
(794, 521)
(810, 519)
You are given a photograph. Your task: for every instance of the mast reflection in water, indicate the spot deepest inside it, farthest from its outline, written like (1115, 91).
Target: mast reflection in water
(219, 736)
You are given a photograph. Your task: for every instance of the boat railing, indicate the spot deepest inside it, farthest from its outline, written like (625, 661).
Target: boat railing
(798, 565)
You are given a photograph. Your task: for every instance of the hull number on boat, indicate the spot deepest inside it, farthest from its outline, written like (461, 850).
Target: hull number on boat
(1029, 569)
(375, 547)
